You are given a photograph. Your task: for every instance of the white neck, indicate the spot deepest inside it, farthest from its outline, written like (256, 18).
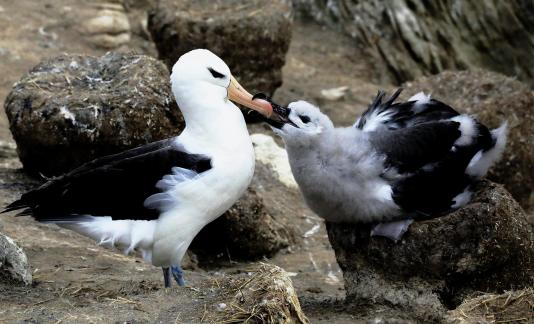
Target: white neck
(214, 123)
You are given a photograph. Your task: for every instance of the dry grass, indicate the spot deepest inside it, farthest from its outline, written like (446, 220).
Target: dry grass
(510, 307)
(265, 296)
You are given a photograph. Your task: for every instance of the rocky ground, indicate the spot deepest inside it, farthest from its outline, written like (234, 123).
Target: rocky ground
(76, 281)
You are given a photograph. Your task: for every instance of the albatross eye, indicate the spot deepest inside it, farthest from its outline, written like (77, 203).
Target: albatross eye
(305, 119)
(215, 74)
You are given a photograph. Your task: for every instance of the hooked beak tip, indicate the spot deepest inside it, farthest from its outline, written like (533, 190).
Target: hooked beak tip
(238, 94)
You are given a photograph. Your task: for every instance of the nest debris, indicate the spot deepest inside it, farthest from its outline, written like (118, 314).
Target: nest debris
(265, 295)
(510, 307)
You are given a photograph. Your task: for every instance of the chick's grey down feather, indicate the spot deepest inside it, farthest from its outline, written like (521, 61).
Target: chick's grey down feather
(413, 159)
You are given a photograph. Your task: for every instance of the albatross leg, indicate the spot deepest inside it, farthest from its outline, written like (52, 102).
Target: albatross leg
(166, 277)
(392, 230)
(178, 275)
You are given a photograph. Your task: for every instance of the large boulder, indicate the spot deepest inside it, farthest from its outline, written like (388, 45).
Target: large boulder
(485, 246)
(14, 266)
(493, 98)
(411, 38)
(72, 108)
(252, 37)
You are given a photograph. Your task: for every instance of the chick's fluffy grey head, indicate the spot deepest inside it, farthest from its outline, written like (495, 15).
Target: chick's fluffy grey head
(308, 121)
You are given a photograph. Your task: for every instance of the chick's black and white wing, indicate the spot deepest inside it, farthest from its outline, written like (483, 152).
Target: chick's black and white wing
(389, 114)
(427, 164)
(128, 185)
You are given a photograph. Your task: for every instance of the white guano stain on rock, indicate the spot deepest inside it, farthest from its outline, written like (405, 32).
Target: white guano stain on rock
(269, 153)
(65, 112)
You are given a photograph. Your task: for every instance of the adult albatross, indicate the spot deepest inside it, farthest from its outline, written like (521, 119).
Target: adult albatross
(157, 197)
(400, 161)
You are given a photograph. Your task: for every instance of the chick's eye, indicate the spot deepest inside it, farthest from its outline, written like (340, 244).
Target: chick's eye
(305, 119)
(215, 74)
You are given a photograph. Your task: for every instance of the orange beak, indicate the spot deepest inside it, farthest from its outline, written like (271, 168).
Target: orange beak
(239, 95)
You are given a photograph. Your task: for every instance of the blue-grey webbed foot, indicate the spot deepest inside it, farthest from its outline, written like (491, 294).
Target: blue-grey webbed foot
(178, 275)
(166, 277)
(392, 230)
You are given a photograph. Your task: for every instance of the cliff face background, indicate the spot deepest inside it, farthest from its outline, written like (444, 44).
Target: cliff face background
(411, 38)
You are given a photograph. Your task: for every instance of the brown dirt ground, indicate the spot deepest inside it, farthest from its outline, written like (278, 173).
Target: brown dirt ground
(77, 281)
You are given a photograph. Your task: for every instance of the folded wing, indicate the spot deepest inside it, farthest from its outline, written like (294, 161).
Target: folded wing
(115, 185)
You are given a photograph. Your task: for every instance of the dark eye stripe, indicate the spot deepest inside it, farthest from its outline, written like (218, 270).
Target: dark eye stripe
(216, 74)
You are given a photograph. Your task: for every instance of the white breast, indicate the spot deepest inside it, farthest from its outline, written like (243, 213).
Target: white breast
(206, 197)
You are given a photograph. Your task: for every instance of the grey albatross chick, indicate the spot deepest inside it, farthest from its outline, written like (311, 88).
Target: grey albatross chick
(157, 197)
(399, 162)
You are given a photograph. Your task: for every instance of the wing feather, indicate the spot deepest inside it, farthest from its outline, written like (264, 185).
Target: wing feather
(116, 185)
(394, 115)
(430, 166)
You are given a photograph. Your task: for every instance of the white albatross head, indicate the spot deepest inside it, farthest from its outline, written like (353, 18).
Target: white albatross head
(202, 81)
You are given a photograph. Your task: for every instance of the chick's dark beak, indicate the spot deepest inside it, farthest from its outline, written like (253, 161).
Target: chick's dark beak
(280, 114)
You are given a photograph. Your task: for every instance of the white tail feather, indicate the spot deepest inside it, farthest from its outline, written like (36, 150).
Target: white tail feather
(482, 161)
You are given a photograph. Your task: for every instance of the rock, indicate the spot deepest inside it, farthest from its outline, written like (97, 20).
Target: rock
(7, 150)
(411, 38)
(14, 264)
(334, 94)
(108, 21)
(485, 246)
(493, 98)
(252, 37)
(106, 25)
(265, 294)
(110, 41)
(72, 108)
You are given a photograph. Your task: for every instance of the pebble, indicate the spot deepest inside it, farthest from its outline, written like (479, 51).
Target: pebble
(107, 27)
(108, 22)
(334, 94)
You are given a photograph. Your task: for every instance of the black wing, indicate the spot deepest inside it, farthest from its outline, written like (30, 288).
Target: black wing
(114, 185)
(431, 168)
(395, 115)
